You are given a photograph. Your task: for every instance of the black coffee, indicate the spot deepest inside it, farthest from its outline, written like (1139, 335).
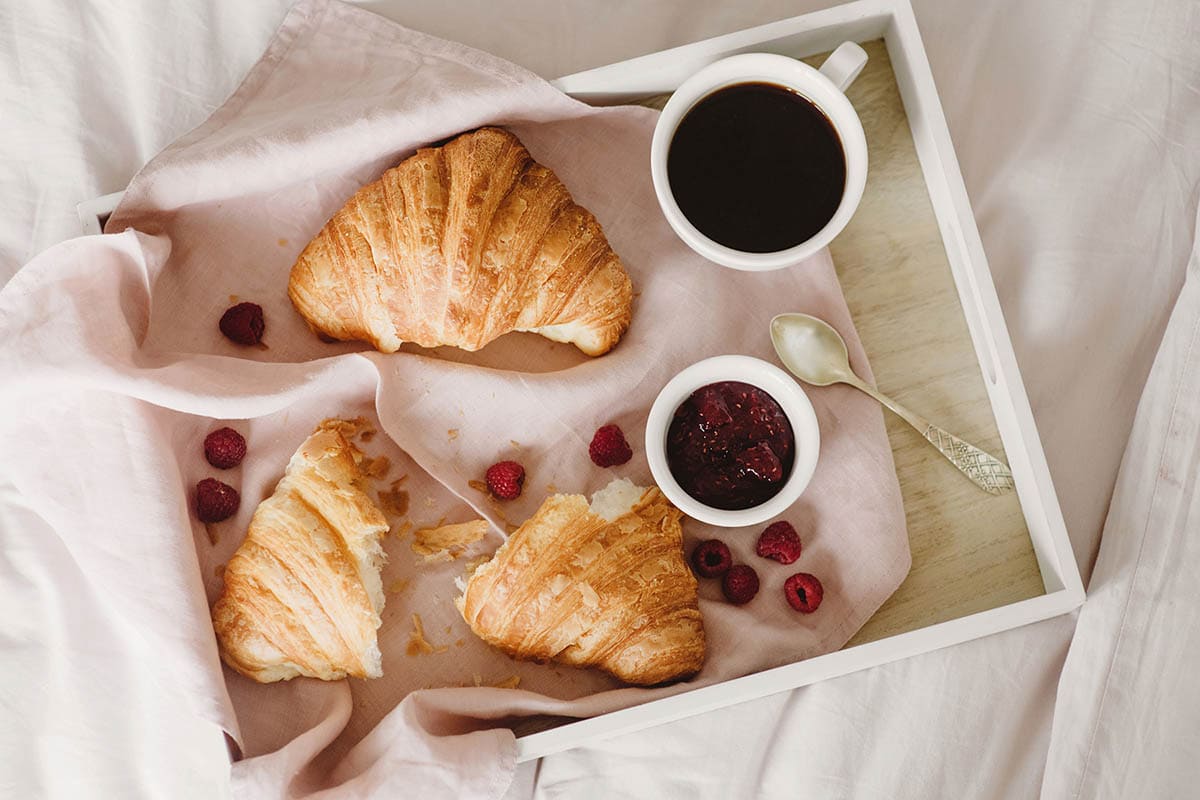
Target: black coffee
(757, 167)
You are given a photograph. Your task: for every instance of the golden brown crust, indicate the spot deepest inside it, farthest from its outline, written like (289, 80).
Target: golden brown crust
(572, 587)
(302, 594)
(458, 245)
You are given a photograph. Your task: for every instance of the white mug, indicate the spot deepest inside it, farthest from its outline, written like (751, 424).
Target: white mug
(823, 88)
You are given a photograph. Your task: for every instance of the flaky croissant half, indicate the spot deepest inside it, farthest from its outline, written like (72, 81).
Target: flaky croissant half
(302, 593)
(458, 245)
(601, 586)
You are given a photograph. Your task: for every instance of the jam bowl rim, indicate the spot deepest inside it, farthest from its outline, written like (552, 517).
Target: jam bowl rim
(781, 387)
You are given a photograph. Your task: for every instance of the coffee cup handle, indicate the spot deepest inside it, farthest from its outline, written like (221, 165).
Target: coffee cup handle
(844, 64)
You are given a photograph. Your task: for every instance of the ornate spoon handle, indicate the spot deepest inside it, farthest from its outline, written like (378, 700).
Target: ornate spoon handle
(985, 470)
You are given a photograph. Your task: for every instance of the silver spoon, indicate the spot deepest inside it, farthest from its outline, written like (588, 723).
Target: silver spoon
(814, 352)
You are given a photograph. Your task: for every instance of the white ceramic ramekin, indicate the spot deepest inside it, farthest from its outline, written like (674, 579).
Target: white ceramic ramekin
(756, 372)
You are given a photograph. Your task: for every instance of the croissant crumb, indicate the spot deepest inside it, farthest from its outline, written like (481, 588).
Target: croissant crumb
(377, 467)
(451, 540)
(348, 428)
(418, 644)
(394, 502)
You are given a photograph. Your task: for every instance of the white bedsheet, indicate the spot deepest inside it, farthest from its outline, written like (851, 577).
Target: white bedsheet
(1078, 129)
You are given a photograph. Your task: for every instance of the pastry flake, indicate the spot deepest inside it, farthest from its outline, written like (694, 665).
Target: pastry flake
(450, 540)
(418, 644)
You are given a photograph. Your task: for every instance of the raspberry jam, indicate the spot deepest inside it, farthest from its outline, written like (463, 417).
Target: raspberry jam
(730, 445)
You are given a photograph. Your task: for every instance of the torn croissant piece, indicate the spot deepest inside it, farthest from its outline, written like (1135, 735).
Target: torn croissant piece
(604, 585)
(448, 541)
(302, 593)
(458, 245)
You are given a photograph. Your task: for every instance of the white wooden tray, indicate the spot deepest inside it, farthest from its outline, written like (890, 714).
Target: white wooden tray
(917, 283)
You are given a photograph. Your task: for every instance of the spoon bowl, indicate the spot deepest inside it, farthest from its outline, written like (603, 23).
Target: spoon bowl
(811, 349)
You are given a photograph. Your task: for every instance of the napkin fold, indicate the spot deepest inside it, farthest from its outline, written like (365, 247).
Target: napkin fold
(115, 370)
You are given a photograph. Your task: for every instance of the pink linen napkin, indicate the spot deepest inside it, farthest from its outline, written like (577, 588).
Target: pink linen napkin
(113, 350)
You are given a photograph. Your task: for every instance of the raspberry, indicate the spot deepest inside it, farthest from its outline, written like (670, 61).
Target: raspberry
(740, 584)
(224, 448)
(505, 479)
(609, 448)
(780, 542)
(216, 501)
(803, 592)
(244, 323)
(761, 462)
(711, 559)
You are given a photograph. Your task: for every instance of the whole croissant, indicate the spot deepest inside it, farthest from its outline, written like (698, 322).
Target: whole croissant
(302, 593)
(458, 245)
(603, 586)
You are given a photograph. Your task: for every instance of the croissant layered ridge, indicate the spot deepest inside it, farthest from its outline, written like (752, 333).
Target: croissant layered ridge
(302, 593)
(576, 587)
(461, 244)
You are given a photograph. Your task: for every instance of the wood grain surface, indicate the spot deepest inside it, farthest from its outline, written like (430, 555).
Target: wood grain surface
(970, 551)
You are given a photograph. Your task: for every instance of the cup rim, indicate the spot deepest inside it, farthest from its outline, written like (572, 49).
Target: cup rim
(771, 379)
(798, 77)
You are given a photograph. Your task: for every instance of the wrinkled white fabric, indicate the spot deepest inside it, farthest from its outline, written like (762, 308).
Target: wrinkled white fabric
(1127, 719)
(1075, 124)
(128, 318)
